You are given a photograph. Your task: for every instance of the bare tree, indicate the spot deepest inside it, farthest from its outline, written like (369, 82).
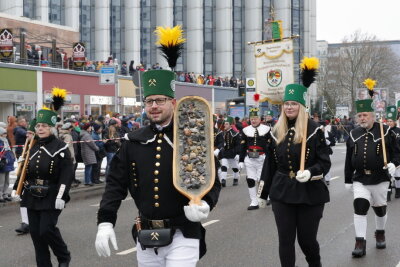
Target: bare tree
(358, 57)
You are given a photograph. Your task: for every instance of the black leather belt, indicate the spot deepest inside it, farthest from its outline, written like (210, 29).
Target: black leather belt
(369, 172)
(164, 223)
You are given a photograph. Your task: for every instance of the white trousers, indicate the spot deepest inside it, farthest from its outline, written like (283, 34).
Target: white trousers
(182, 252)
(232, 163)
(375, 194)
(254, 167)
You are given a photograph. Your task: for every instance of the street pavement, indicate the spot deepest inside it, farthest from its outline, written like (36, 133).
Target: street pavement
(235, 236)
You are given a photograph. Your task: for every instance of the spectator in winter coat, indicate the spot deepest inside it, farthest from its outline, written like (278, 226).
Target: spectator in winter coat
(124, 126)
(88, 152)
(12, 123)
(65, 135)
(7, 159)
(20, 136)
(112, 144)
(238, 124)
(97, 135)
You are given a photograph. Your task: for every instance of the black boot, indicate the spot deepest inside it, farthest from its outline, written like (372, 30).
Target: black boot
(359, 249)
(397, 195)
(235, 182)
(389, 194)
(223, 183)
(380, 239)
(23, 229)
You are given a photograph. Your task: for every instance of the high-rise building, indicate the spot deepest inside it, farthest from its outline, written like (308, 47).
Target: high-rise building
(217, 31)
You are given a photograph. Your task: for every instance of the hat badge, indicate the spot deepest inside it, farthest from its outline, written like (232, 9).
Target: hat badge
(152, 82)
(291, 91)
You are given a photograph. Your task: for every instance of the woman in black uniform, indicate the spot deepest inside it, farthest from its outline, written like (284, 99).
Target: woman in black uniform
(297, 197)
(48, 180)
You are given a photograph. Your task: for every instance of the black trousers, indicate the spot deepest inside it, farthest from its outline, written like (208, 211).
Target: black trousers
(300, 219)
(96, 170)
(45, 234)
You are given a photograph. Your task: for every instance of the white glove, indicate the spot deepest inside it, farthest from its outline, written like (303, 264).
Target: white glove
(20, 159)
(237, 157)
(15, 196)
(303, 176)
(391, 168)
(262, 203)
(216, 152)
(60, 204)
(349, 187)
(241, 165)
(196, 213)
(105, 232)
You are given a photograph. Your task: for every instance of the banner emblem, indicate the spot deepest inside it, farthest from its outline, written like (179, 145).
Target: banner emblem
(274, 77)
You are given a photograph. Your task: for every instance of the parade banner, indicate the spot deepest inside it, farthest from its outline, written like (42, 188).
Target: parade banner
(78, 54)
(6, 43)
(274, 70)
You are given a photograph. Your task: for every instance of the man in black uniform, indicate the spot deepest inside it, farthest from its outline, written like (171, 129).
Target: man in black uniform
(48, 180)
(269, 118)
(256, 138)
(228, 146)
(143, 166)
(391, 114)
(367, 175)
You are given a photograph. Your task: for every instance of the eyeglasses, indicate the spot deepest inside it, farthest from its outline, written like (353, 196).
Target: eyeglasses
(290, 105)
(159, 101)
(43, 125)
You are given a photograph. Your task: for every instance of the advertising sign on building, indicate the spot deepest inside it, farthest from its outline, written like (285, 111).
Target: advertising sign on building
(78, 54)
(274, 69)
(6, 43)
(342, 111)
(107, 75)
(48, 98)
(100, 100)
(71, 108)
(250, 91)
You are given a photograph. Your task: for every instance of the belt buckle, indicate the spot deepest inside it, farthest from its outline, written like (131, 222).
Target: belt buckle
(156, 224)
(39, 182)
(367, 172)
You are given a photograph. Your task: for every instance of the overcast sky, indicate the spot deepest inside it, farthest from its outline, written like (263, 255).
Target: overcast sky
(339, 18)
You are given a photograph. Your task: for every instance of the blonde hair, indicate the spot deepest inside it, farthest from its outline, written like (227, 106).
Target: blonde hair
(281, 128)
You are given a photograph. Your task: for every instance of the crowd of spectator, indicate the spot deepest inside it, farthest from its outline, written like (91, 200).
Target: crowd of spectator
(91, 140)
(35, 56)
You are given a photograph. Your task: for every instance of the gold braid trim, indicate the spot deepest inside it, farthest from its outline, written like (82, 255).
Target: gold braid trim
(274, 57)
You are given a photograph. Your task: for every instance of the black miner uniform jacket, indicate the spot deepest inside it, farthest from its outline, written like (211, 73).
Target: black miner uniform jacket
(283, 162)
(50, 161)
(396, 131)
(255, 141)
(143, 165)
(364, 157)
(228, 142)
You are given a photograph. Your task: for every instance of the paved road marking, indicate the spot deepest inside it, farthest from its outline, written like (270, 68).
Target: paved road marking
(334, 178)
(131, 250)
(98, 204)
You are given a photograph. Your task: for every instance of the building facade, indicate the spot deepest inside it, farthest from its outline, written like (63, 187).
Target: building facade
(217, 31)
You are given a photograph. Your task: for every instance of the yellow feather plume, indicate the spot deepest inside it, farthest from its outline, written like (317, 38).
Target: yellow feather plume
(170, 36)
(310, 63)
(58, 92)
(369, 83)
